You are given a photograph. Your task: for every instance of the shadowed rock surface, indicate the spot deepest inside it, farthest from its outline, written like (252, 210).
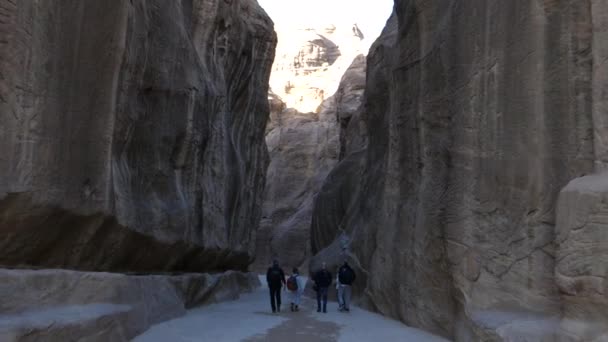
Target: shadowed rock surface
(476, 115)
(132, 133)
(317, 77)
(59, 305)
(303, 148)
(581, 253)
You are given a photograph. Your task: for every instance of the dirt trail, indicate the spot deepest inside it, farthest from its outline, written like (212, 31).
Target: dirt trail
(250, 319)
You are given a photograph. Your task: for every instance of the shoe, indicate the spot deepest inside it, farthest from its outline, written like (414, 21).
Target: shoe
(324, 311)
(347, 309)
(318, 310)
(297, 308)
(273, 310)
(291, 307)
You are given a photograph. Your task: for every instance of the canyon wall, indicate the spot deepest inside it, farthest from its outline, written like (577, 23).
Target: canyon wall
(317, 77)
(132, 133)
(476, 115)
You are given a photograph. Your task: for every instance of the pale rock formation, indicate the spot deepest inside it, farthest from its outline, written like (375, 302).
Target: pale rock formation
(132, 133)
(310, 62)
(476, 114)
(303, 131)
(58, 305)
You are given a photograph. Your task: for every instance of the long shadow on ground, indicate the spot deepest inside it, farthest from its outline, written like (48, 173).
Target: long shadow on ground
(301, 326)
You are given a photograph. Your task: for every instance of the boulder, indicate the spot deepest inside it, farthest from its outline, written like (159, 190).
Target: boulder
(132, 133)
(581, 269)
(60, 305)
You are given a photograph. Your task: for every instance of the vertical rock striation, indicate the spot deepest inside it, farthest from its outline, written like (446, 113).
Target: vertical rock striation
(132, 133)
(476, 114)
(304, 145)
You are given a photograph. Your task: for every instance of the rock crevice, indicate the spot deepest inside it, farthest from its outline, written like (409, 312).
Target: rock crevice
(303, 132)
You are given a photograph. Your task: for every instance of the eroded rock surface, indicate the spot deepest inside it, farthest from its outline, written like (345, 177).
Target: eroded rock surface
(303, 148)
(476, 115)
(57, 305)
(132, 133)
(581, 253)
(310, 63)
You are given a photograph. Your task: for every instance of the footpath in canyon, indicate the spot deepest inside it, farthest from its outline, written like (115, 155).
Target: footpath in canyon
(249, 319)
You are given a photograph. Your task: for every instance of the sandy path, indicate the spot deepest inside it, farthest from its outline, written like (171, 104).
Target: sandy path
(250, 319)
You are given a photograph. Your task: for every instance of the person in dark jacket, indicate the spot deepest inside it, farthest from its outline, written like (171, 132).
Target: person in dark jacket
(346, 277)
(275, 277)
(322, 281)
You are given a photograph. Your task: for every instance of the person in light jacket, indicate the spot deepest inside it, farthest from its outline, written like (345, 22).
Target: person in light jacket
(295, 295)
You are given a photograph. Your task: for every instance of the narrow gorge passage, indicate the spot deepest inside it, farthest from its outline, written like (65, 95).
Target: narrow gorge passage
(316, 86)
(247, 319)
(156, 156)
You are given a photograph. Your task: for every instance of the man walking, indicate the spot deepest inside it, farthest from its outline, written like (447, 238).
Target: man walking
(322, 281)
(275, 277)
(346, 277)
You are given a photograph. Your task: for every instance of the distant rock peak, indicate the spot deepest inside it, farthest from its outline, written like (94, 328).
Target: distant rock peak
(310, 62)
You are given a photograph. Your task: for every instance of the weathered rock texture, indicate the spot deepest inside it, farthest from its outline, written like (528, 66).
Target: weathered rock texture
(476, 114)
(55, 305)
(581, 268)
(132, 133)
(303, 148)
(311, 61)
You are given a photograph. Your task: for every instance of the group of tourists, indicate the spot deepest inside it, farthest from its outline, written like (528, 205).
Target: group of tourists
(322, 279)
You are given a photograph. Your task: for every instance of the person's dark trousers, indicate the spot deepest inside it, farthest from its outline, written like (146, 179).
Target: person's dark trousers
(322, 294)
(275, 298)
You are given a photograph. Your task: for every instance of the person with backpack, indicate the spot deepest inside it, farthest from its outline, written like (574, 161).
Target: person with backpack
(346, 277)
(295, 285)
(275, 277)
(322, 280)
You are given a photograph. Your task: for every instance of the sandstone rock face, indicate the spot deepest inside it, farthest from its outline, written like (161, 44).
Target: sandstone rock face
(310, 63)
(132, 133)
(581, 252)
(476, 115)
(55, 305)
(348, 103)
(303, 148)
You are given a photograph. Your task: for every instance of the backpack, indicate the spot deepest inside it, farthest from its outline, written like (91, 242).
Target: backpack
(323, 278)
(292, 283)
(275, 275)
(346, 276)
